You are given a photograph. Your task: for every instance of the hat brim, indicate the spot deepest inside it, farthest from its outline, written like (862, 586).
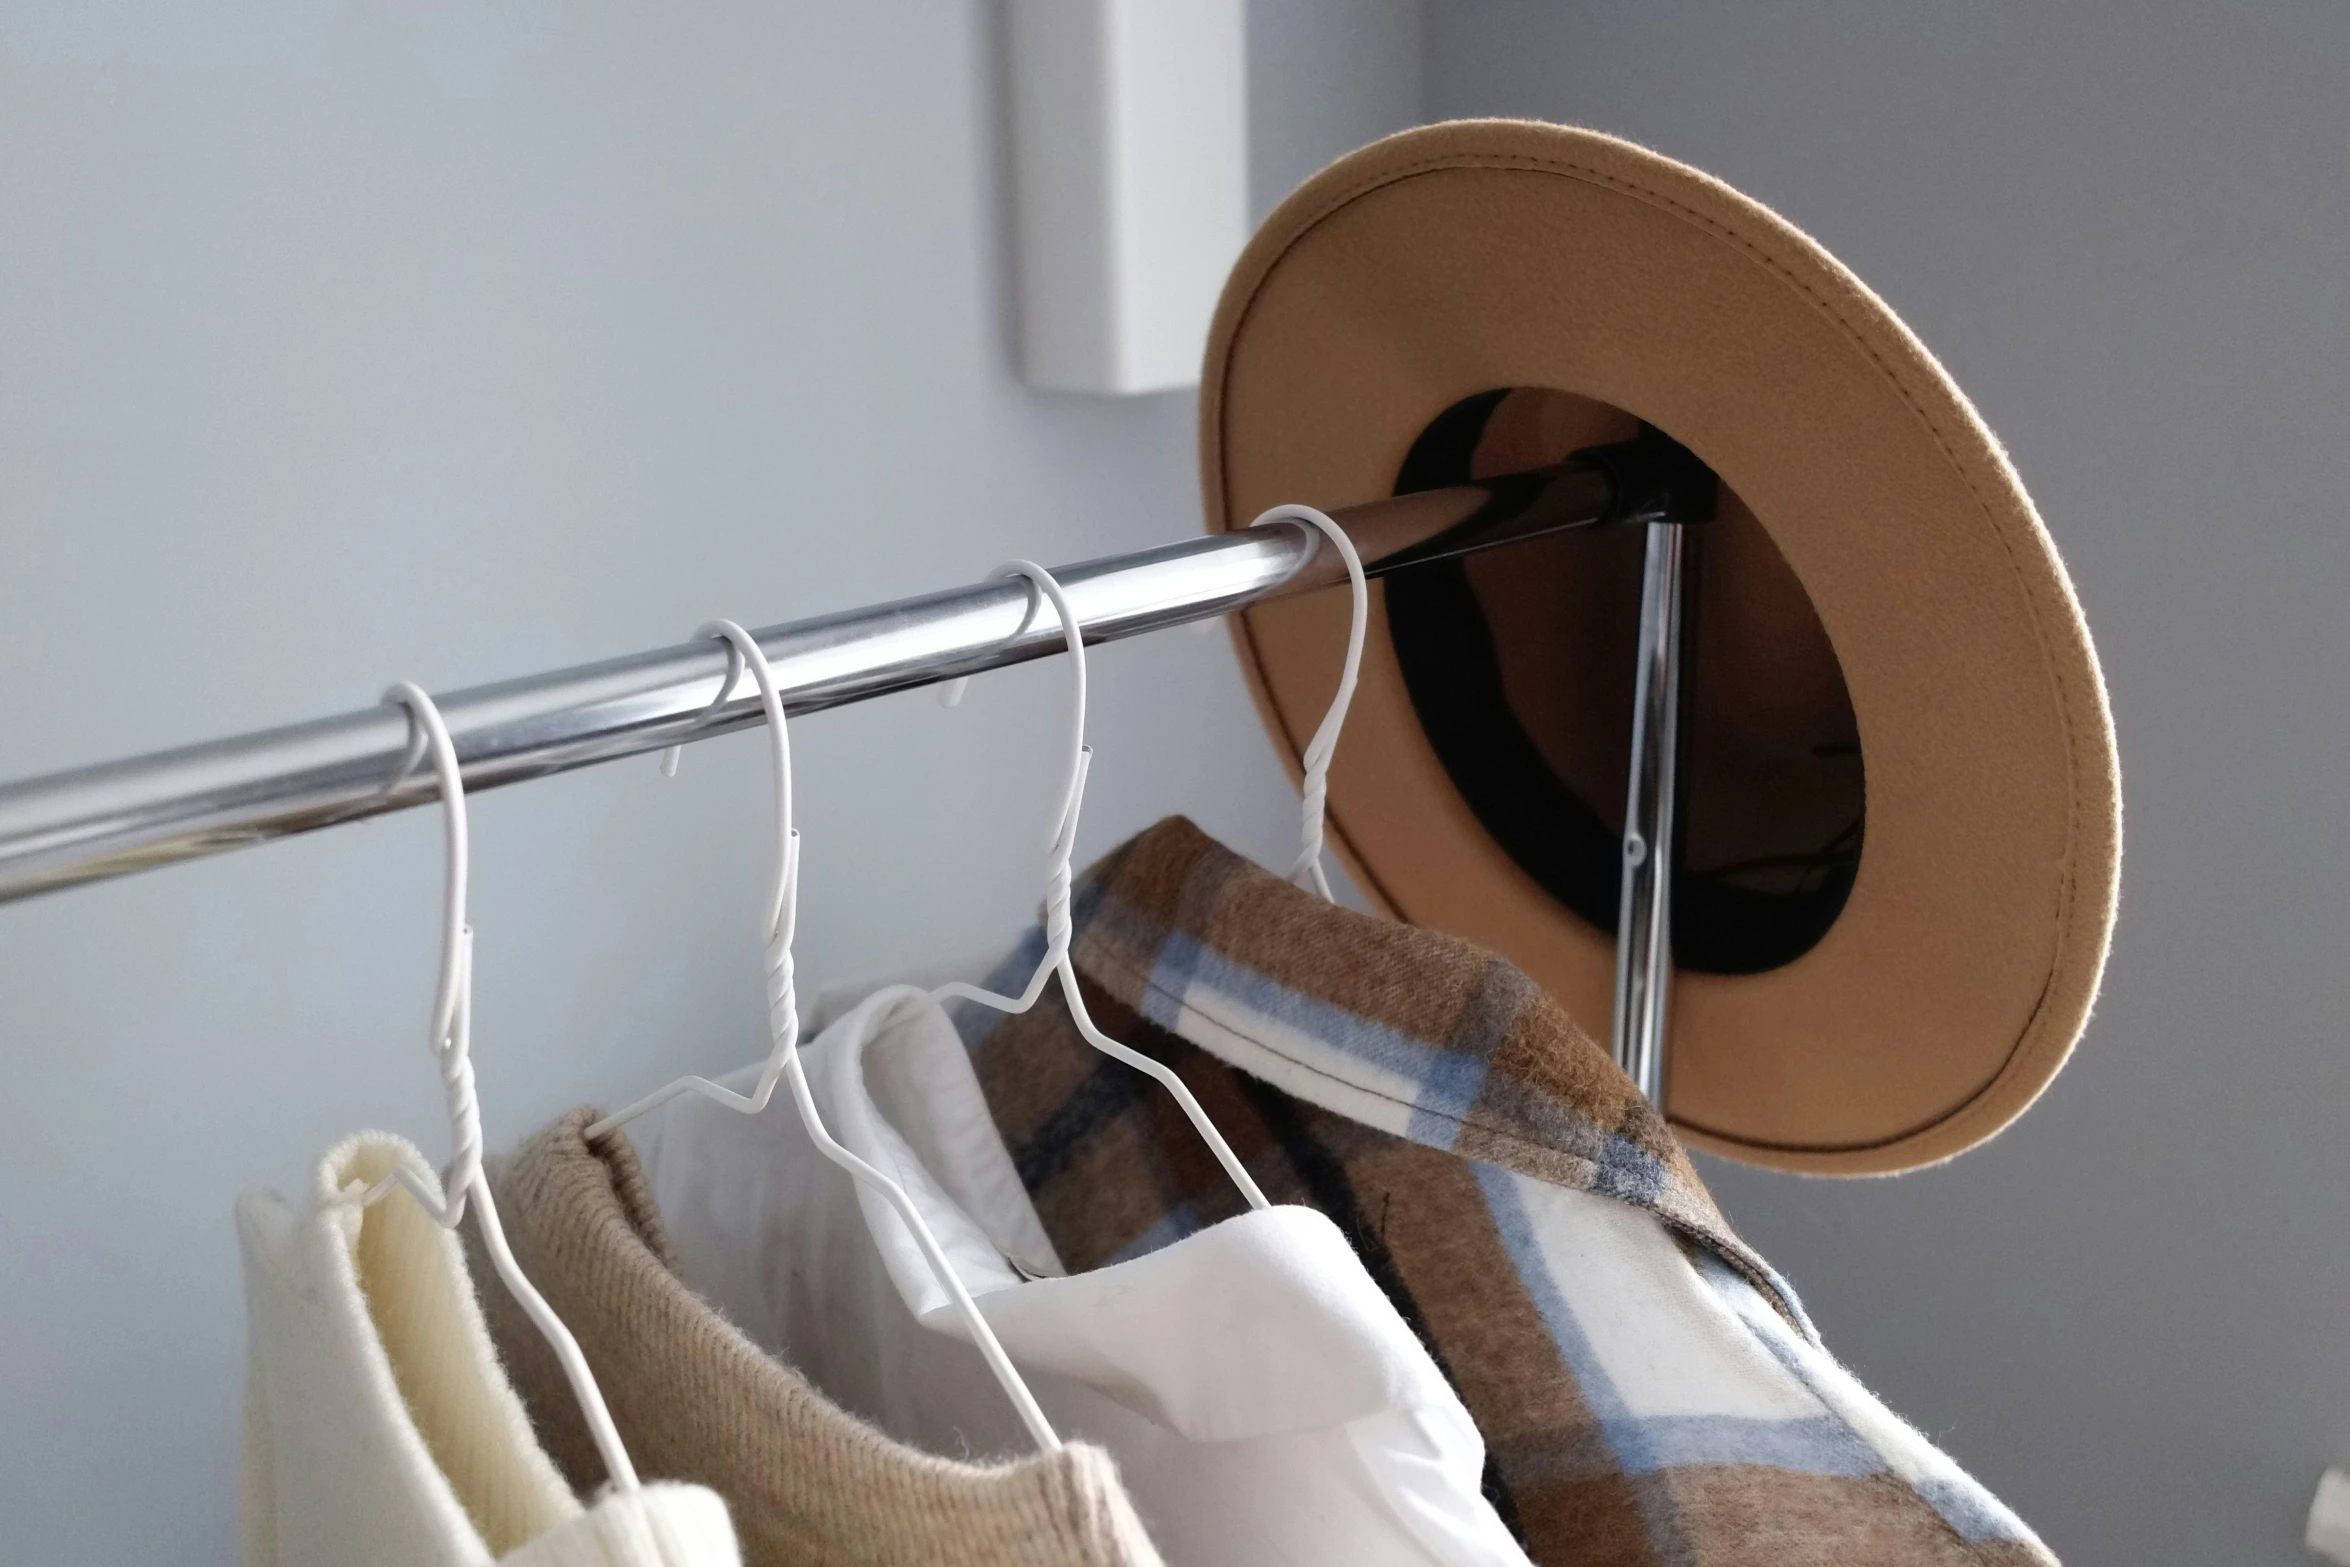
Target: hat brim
(1463, 258)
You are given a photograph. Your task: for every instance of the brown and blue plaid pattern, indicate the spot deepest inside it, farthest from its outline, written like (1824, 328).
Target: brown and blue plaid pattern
(1650, 1392)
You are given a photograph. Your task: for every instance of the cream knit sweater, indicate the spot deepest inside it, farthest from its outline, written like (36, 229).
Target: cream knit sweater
(809, 1484)
(378, 1427)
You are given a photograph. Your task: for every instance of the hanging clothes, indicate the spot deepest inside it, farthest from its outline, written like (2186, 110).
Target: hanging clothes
(1649, 1389)
(1264, 1401)
(379, 1428)
(810, 1485)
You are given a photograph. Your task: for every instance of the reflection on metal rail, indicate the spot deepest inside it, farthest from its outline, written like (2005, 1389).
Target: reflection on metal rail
(101, 821)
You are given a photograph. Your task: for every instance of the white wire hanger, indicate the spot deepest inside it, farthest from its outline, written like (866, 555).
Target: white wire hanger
(452, 1046)
(1057, 919)
(783, 1021)
(1315, 787)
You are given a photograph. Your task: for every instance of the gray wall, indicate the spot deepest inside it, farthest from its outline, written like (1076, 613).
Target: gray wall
(453, 340)
(2124, 228)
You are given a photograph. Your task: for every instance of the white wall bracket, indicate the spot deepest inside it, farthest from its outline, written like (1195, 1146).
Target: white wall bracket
(1130, 179)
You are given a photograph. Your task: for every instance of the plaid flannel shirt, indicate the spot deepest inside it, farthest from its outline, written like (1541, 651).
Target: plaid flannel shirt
(1649, 1390)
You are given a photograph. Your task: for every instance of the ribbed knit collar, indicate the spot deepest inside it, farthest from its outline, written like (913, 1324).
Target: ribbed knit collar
(694, 1398)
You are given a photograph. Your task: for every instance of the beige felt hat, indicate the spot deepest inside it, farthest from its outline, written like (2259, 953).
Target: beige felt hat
(1902, 811)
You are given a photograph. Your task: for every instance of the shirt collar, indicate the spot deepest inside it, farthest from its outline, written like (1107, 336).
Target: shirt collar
(1262, 1325)
(1407, 1030)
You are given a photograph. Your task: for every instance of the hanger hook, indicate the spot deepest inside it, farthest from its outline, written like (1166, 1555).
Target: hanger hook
(1314, 787)
(452, 1047)
(1058, 924)
(783, 896)
(671, 755)
(780, 923)
(452, 1010)
(1043, 588)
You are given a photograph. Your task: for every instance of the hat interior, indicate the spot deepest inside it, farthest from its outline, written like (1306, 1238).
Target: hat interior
(1520, 664)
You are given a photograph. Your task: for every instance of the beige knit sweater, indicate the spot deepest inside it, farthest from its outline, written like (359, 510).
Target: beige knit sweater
(695, 1399)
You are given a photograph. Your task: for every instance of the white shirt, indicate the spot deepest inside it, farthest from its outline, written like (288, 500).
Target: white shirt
(379, 1427)
(1264, 1400)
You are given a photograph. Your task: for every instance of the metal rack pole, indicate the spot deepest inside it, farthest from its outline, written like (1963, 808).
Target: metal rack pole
(1644, 914)
(1679, 491)
(96, 822)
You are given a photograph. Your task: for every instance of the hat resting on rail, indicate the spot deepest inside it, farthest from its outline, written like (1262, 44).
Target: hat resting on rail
(1900, 824)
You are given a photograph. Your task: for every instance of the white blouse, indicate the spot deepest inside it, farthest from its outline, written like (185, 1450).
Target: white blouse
(1264, 1400)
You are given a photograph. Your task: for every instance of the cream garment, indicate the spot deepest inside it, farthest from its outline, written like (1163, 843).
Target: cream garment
(378, 1425)
(1263, 1400)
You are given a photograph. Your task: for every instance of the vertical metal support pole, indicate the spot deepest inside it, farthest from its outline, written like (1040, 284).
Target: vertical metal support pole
(1644, 914)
